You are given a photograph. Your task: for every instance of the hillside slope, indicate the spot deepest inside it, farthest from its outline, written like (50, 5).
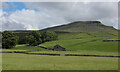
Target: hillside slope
(77, 30)
(83, 26)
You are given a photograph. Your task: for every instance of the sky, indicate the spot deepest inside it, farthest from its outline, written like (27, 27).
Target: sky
(40, 15)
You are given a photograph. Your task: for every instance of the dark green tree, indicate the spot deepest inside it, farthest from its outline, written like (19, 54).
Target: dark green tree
(48, 36)
(34, 38)
(8, 40)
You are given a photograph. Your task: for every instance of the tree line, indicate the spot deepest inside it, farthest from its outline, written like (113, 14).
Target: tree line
(33, 38)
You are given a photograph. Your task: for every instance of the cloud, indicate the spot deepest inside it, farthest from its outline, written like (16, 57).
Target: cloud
(29, 19)
(56, 13)
(0, 19)
(106, 12)
(9, 24)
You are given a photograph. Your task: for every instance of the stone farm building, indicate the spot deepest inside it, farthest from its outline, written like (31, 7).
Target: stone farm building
(59, 48)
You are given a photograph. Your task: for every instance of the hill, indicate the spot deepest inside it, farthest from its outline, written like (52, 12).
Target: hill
(83, 26)
(79, 27)
(77, 30)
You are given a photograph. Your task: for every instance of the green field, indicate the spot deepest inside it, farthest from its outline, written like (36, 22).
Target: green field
(38, 62)
(89, 46)
(86, 44)
(78, 35)
(73, 36)
(75, 43)
(62, 53)
(23, 47)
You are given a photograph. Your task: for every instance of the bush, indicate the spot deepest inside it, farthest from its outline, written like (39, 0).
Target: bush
(8, 39)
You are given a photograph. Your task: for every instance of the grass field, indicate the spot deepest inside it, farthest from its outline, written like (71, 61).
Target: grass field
(75, 43)
(86, 44)
(76, 35)
(38, 62)
(73, 35)
(23, 47)
(79, 52)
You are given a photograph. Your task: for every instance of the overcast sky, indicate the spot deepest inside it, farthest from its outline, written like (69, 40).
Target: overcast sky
(39, 15)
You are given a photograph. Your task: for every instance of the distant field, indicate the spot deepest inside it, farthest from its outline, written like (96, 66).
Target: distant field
(90, 46)
(103, 34)
(73, 36)
(38, 62)
(78, 35)
(24, 47)
(86, 44)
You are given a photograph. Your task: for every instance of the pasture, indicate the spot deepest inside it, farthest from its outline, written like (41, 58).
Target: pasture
(85, 44)
(75, 43)
(37, 62)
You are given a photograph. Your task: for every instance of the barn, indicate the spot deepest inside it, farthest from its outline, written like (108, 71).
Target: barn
(59, 48)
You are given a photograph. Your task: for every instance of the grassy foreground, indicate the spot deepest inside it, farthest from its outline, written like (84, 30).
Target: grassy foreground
(38, 62)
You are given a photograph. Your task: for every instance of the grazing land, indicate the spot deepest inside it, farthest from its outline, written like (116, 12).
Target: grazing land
(87, 44)
(37, 62)
(84, 46)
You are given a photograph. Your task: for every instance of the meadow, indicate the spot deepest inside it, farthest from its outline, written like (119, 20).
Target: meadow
(88, 44)
(74, 43)
(38, 62)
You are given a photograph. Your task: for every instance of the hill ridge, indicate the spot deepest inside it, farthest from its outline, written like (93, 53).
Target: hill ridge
(78, 26)
(82, 26)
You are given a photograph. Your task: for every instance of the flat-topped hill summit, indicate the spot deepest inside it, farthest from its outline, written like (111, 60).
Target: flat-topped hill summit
(83, 26)
(79, 26)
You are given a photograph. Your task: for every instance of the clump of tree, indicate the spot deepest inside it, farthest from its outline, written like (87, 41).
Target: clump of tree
(35, 38)
(9, 40)
(21, 37)
(48, 36)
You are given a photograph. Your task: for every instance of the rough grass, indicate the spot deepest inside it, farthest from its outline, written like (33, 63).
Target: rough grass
(38, 62)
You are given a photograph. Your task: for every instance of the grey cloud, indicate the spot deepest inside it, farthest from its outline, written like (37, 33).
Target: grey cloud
(8, 24)
(12, 26)
(71, 11)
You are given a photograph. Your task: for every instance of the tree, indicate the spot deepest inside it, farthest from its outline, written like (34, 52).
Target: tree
(48, 36)
(34, 38)
(22, 37)
(8, 39)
